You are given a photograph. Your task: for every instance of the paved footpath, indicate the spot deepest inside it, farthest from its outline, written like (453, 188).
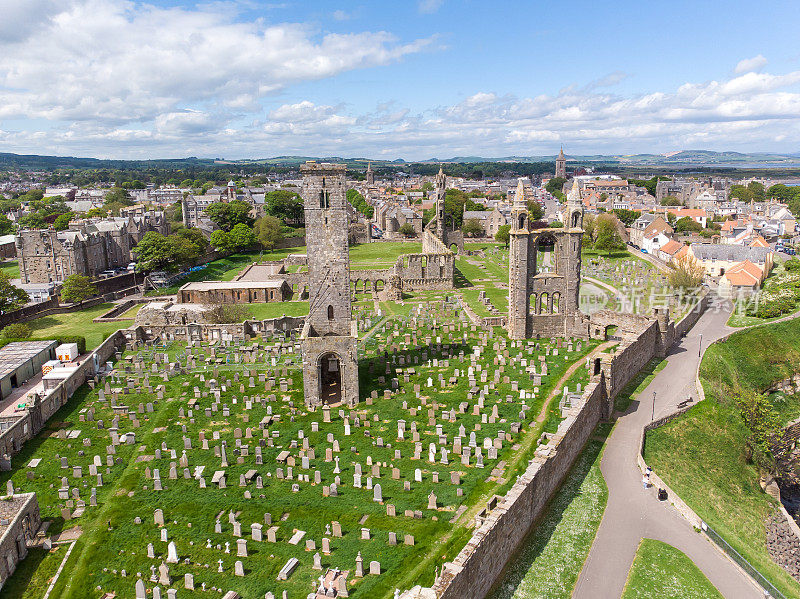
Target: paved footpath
(633, 513)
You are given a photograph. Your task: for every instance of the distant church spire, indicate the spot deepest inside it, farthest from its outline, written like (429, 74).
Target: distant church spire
(561, 164)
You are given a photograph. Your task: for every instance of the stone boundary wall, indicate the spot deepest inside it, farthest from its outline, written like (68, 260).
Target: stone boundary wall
(47, 308)
(13, 543)
(33, 420)
(479, 566)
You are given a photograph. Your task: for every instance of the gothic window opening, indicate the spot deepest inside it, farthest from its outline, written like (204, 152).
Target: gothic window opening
(330, 312)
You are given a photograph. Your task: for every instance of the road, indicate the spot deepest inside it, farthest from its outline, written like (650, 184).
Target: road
(633, 513)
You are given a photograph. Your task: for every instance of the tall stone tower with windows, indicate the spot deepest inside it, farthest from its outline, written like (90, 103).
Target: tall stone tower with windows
(561, 164)
(544, 274)
(329, 344)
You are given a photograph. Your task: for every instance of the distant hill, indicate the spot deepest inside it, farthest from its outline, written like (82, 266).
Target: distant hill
(681, 158)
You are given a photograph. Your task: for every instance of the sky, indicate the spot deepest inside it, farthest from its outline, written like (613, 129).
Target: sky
(414, 79)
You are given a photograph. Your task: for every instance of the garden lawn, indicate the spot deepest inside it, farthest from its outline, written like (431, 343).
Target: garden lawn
(10, 268)
(660, 570)
(552, 556)
(78, 323)
(278, 309)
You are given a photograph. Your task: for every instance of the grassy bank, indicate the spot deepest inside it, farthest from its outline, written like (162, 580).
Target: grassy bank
(660, 570)
(552, 556)
(701, 454)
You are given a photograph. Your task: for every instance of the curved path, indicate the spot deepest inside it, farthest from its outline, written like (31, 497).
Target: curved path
(633, 513)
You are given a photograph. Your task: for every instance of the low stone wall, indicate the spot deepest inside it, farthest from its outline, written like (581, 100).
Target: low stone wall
(23, 526)
(237, 331)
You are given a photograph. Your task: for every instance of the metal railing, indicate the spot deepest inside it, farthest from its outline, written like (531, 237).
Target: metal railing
(743, 563)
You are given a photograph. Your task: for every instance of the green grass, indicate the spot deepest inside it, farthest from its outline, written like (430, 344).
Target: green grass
(33, 574)
(278, 309)
(127, 492)
(638, 383)
(380, 254)
(10, 268)
(78, 322)
(660, 570)
(552, 556)
(701, 454)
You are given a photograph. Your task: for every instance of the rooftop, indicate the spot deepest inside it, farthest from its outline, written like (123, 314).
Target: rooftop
(15, 354)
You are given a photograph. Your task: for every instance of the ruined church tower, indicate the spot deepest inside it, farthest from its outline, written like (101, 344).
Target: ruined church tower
(330, 361)
(561, 164)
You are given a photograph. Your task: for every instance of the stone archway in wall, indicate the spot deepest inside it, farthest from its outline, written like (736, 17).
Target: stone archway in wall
(330, 379)
(546, 257)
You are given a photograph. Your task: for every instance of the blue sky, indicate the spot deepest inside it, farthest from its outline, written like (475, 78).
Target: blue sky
(414, 80)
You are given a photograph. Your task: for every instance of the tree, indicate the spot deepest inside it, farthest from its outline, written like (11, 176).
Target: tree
(119, 196)
(16, 330)
(77, 288)
(607, 238)
(503, 234)
(226, 215)
(535, 210)
(6, 226)
(242, 237)
(589, 230)
(686, 273)
(155, 252)
(62, 221)
(268, 231)
(195, 237)
(286, 205)
(687, 225)
(763, 422)
(221, 241)
(556, 224)
(472, 228)
(555, 185)
(360, 203)
(407, 230)
(671, 201)
(11, 297)
(627, 216)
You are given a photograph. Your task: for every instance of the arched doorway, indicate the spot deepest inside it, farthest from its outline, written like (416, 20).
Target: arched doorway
(330, 379)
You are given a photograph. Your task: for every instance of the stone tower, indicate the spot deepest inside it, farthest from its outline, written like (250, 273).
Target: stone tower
(561, 164)
(370, 175)
(544, 274)
(330, 360)
(441, 191)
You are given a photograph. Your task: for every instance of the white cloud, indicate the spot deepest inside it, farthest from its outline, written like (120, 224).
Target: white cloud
(751, 64)
(116, 61)
(429, 6)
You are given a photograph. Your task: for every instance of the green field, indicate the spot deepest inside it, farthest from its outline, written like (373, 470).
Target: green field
(660, 570)
(278, 309)
(701, 454)
(552, 556)
(78, 323)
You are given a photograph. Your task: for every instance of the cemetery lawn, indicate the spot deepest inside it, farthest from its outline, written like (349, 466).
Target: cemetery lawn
(34, 574)
(277, 309)
(78, 322)
(10, 268)
(113, 541)
(661, 570)
(701, 454)
(552, 555)
(380, 254)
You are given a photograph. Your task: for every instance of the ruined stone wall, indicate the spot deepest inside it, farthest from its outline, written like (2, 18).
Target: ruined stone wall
(23, 526)
(432, 244)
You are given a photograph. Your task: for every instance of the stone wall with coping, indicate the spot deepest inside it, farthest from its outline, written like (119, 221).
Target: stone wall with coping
(22, 526)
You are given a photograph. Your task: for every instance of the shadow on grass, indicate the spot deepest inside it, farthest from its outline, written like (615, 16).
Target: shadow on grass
(544, 528)
(623, 400)
(460, 280)
(20, 581)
